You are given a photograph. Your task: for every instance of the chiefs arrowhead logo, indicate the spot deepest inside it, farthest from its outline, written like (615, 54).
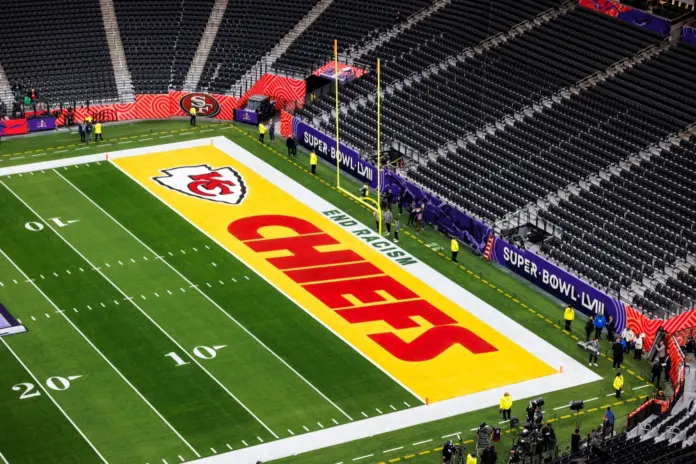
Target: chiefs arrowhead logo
(222, 185)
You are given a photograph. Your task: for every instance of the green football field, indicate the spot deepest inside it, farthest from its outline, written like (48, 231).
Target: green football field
(148, 343)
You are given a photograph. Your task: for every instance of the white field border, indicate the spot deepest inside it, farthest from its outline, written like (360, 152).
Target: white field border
(573, 374)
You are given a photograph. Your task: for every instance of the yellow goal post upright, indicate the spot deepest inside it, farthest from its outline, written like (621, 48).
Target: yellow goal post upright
(372, 204)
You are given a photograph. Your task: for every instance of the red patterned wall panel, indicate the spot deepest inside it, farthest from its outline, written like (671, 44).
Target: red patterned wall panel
(283, 89)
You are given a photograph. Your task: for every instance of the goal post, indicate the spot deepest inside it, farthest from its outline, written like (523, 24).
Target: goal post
(371, 203)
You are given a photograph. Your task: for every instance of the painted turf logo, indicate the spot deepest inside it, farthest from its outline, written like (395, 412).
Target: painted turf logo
(222, 185)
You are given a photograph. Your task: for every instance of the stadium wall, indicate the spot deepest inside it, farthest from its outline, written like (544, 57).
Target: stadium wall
(157, 106)
(640, 18)
(689, 34)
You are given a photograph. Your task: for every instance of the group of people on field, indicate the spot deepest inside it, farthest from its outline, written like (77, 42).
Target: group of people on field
(87, 127)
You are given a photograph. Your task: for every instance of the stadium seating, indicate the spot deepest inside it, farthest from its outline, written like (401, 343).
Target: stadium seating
(445, 33)
(61, 52)
(160, 39)
(668, 442)
(351, 22)
(502, 80)
(641, 218)
(249, 30)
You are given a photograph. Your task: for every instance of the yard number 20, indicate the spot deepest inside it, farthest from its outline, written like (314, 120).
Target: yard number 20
(54, 383)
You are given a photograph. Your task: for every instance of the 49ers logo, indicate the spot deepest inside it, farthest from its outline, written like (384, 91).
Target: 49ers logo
(206, 105)
(222, 185)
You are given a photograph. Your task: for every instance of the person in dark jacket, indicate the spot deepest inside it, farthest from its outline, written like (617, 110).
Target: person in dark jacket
(271, 130)
(617, 353)
(656, 373)
(401, 199)
(81, 129)
(489, 456)
(412, 213)
(611, 329)
(575, 440)
(389, 196)
(292, 146)
(668, 367)
(589, 327)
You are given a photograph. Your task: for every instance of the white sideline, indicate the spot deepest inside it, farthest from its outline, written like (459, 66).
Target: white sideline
(3, 459)
(147, 316)
(62, 313)
(45, 390)
(205, 295)
(573, 372)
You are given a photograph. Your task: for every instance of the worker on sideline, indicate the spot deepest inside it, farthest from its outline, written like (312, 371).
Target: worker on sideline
(471, 458)
(388, 222)
(397, 226)
(569, 316)
(377, 219)
(454, 246)
(192, 113)
(638, 347)
(506, 405)
(98, 132)
(271, 131)
(618, 384)
(262, 132)
(312, 162)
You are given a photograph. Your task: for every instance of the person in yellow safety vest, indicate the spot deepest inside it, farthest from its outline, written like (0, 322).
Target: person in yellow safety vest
(506, 405)
(313, 162)
(192, 112)
(98, 132)
(618, 384)
(454, 247)
(471, 458)
(262, 132)
(88, 119)
(569, 316)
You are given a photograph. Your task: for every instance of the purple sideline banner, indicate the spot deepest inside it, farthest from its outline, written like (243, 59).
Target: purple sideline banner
(640, 18)
(559, 283)
(41, 124)
(325, 147)
(689, 34)
(246, 116)
(444, 216)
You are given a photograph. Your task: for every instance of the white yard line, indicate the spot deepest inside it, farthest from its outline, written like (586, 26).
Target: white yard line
(393, 449)
(422, 442)
(102, 355)
(3, 459)
(147, 316)
(642, 386)
(46, 392)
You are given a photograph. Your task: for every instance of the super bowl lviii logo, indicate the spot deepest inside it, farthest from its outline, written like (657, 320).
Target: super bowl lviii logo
(206, 105)
(222, 185)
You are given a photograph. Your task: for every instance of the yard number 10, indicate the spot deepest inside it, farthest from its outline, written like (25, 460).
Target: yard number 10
(202, 352)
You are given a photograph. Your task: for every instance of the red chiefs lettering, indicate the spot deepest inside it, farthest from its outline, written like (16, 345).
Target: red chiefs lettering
(340, 278)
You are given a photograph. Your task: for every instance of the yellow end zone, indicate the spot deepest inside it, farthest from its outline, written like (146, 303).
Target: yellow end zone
(432, 346)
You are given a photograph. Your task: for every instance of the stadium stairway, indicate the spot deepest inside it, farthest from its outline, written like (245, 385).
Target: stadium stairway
(265, 64)
(124, 81)
(204, 46)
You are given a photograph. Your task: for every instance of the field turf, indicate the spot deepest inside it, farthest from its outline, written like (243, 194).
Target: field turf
(147, 343)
